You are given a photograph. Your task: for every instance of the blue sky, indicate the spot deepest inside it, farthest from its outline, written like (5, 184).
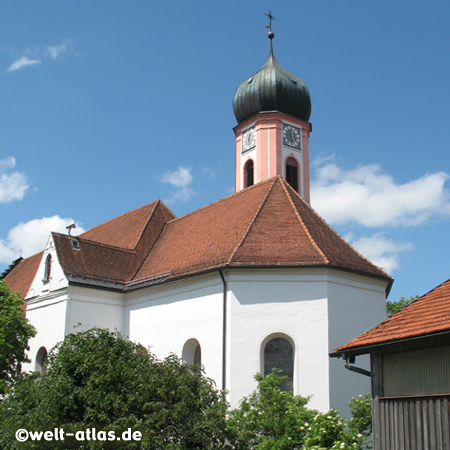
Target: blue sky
(107, 106)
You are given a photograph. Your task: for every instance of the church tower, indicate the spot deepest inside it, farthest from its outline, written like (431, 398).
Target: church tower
(272, 109)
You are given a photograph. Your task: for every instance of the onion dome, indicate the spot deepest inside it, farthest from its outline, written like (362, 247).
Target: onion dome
(272, 89)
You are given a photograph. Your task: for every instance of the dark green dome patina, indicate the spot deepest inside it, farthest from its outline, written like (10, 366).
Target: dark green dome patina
(272, 89)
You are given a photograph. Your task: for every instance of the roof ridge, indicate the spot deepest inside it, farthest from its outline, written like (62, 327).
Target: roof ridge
(120, 216)
(149, 218)
(340, 237)
(252, 221)
(426, 293)
(311, 240)
(151, 247)
(222, 199)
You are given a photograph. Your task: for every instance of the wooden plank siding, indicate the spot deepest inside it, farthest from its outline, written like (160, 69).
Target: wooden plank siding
(412, 423)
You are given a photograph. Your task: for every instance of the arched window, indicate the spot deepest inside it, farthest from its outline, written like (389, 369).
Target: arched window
(48, 268)
(198, 355)
(292, 173)
(192, 352)
(279, 353)
(41, 360)
(249, 173)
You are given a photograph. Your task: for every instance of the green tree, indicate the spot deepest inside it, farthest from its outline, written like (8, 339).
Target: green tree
(361, 420)
(96, 378)
(393, 307)
(270, 419)
(15, 331)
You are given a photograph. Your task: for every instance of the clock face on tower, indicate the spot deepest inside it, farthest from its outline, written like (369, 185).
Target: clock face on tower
(291, 136)
(248, 139)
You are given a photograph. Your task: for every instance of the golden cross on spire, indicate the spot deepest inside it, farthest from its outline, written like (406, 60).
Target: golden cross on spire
(270, 18)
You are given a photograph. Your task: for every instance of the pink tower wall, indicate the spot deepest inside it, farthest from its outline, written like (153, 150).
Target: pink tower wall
(268, 155)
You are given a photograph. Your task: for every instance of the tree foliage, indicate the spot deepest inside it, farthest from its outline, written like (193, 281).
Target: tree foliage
(393, 307)
(15, 331)
(270, 419)
(96, 378)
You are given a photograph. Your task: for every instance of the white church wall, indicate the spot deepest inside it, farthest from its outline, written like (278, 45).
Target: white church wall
(94, 308)
(273, 303)
(56, 280)
(164, 318)
(47, 314)
(355, 305)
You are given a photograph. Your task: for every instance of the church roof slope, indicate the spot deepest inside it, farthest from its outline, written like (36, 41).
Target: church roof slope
(20, 277)
(119, 248)
(428, 315)
(206, 238)
(90, 260)
(265, 225)
(125, 230)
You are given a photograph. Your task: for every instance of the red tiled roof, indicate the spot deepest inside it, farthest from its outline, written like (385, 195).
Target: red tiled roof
(123, 231)
(265, 225)
(427, 315)
(21, 276)
(105, 259)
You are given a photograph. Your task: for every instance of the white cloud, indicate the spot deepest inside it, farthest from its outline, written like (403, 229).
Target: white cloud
(369, 197)
(22, 62)
(31, 237)
(7, 163)
(34, 55)
(12, 185)
(53, 51)
(383, 252)
(180, 179)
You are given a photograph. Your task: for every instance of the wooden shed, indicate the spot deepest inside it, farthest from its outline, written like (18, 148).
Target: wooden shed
(410, 373)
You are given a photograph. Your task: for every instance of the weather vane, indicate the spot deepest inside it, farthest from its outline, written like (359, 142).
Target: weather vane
(270, 18)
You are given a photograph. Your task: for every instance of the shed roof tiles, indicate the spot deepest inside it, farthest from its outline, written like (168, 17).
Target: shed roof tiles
(428, 315)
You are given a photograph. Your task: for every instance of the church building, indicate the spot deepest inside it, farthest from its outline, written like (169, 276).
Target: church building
(253, 281)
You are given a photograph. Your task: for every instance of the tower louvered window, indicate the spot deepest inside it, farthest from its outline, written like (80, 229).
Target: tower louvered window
(292, 173)
(249, 169)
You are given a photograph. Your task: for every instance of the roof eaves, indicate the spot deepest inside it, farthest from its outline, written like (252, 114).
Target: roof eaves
(369, 348)
(84, 280)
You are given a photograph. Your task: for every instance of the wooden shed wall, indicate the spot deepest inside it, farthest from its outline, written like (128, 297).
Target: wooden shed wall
(419, 423)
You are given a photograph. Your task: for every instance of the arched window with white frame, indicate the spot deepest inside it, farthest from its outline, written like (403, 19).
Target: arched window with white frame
(278, 352)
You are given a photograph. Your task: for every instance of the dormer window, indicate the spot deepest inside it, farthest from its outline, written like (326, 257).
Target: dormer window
(48, 268)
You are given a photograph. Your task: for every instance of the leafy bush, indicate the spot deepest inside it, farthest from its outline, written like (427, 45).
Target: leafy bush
(99, 379)
(270, 419)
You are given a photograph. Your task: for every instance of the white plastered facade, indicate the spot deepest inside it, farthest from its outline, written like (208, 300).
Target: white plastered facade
(315, 309)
